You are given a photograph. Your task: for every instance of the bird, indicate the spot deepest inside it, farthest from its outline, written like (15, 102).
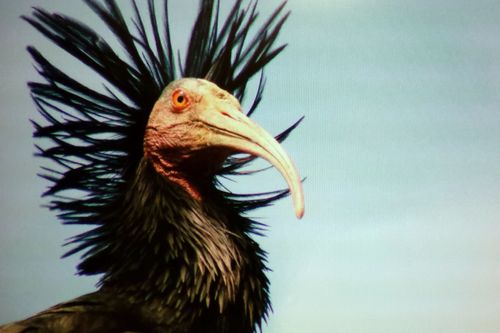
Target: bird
(141, 163)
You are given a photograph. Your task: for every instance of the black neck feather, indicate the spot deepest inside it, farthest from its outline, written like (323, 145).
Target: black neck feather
(158, 242)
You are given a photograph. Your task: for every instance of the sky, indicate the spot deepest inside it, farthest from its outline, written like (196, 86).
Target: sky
(400, 147)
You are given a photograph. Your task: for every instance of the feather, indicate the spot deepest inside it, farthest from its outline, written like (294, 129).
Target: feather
(151, 243)
(96, 137)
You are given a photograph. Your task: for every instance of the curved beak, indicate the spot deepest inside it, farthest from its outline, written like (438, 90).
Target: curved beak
(232, 129)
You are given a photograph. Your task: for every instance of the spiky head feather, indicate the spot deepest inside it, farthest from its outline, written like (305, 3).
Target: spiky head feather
(97, 137)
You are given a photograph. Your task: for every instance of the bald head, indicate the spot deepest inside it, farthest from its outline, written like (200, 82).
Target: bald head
(195, 125)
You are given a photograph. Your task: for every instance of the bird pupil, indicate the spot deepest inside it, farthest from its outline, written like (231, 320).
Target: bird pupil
(180, 99)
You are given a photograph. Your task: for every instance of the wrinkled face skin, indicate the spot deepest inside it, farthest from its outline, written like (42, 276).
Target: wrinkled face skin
(180, 139)
(194, 126)
(179, 118)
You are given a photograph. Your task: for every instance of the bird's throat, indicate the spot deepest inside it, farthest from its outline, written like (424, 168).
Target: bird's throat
(180, 179)
(192, 172)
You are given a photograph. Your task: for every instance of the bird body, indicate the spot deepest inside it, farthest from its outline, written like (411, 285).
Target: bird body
(175, 252)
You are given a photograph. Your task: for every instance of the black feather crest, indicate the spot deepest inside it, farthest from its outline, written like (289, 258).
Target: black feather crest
(96, 138)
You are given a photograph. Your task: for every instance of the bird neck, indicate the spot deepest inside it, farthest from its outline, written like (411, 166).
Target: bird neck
(193, 172)
(186, 254)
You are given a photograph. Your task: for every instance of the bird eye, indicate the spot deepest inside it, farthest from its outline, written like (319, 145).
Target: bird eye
(180, 100)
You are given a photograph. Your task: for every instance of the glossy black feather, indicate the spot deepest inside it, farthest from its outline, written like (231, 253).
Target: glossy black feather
(145, 239)
(223, 54)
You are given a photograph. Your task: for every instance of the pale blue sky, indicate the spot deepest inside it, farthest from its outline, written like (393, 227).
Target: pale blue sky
(400, 147)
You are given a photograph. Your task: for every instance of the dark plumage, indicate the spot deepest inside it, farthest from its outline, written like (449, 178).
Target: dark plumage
(173, 247)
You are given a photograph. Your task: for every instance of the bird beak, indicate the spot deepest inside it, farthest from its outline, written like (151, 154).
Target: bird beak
(232, 129)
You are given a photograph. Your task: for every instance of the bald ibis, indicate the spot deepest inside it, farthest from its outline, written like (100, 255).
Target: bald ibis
(141, 162)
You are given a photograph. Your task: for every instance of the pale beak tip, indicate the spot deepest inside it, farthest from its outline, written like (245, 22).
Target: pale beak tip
(299, 211)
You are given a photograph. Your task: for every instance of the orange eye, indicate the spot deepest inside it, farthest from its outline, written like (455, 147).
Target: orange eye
(180, 100)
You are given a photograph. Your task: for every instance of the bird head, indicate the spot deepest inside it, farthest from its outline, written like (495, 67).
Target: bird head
(195, 125)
